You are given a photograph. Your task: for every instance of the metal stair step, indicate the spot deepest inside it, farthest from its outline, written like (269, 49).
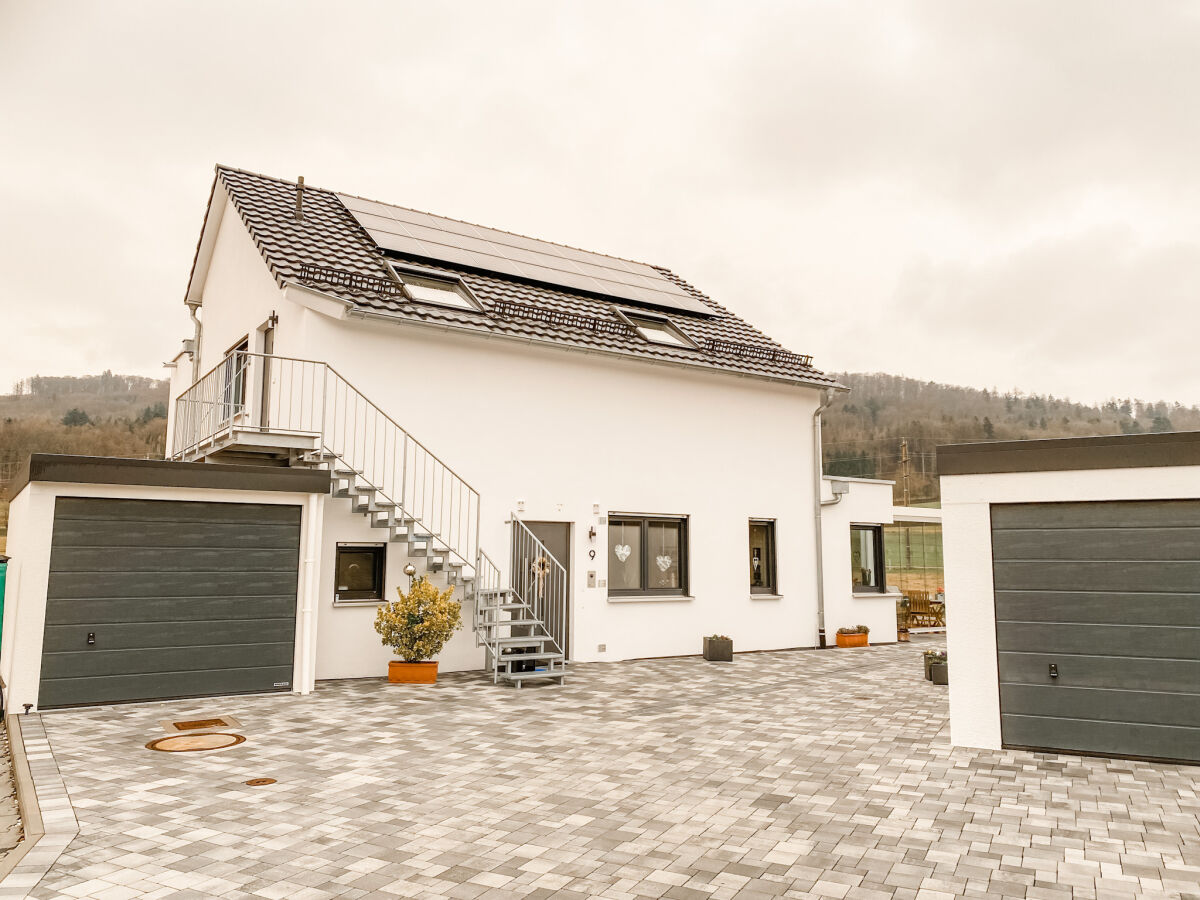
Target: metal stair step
(529, 656)
(530, 640)
(518, 622)
(518, 677)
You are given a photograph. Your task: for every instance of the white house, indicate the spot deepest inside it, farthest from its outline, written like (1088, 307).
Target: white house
(603, 461)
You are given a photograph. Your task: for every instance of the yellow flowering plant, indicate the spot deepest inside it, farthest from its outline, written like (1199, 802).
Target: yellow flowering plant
(418, 625)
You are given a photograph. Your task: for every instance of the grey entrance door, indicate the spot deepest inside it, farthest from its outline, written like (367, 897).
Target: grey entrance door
(150, 599)
(1098, 626)
(557, 538)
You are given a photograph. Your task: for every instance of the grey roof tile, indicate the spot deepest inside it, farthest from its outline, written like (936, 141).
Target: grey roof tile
(328, 236)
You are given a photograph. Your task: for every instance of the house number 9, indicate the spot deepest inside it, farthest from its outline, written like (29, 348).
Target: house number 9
(591, 554)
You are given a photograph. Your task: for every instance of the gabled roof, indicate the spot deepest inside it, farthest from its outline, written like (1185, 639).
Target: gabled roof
(329, 251)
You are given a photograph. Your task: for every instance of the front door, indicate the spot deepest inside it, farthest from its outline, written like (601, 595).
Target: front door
(557, 538)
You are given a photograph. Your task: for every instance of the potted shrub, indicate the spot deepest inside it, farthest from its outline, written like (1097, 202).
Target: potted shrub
(718, 648)
(853, 636)
(932, 658)
(416, 627)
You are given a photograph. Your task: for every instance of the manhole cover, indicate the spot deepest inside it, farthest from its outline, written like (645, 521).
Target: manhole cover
(180, 743)
(207, 723)
(256, 782)
(194, 724)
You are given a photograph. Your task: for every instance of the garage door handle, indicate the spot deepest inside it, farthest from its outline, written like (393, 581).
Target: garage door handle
(91, 638)
(1053, 670)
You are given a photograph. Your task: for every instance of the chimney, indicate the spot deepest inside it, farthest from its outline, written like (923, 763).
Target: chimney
(300, 197)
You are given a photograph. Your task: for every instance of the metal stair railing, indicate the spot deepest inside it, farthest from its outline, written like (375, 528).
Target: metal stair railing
(256, 392)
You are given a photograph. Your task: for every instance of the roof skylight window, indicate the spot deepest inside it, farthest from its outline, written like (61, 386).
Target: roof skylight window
(437, 290)
(657, 330)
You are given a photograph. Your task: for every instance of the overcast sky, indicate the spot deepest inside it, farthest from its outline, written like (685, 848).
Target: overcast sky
(999, 194)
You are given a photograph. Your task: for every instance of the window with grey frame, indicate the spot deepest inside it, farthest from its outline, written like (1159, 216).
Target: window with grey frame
(866, 558)
(647, 556)
(763, 578)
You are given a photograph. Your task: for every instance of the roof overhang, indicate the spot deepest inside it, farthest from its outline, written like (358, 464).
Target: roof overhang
(213, 215)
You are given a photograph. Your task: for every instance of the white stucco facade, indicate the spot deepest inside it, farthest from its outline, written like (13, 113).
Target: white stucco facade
(863, 502)
(967, 548)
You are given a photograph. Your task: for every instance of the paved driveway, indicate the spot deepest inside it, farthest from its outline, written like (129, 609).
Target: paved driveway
(790, 774)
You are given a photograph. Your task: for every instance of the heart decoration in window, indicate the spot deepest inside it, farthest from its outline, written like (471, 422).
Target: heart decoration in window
(664, 563)
(622, 551)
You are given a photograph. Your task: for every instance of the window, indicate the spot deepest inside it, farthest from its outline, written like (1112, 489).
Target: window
(866, 557)
(430, 287)
(647, 555)
(656, 330)
(359, 572)
(762, 557)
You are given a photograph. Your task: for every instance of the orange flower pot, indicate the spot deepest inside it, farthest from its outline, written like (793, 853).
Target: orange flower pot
(852, 640)
(400, 672)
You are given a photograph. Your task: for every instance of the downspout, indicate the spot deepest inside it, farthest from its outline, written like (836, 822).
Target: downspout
(818, 466)
(195, 343)
(312, 545)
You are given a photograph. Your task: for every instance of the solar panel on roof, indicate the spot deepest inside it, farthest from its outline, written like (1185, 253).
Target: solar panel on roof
(426, 236)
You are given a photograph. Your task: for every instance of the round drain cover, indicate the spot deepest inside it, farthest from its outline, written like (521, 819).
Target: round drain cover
(181, 743)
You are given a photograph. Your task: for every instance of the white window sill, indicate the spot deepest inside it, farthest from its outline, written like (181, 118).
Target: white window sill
(766, 596)
(375, 602)
(651, 598)
(875, 595)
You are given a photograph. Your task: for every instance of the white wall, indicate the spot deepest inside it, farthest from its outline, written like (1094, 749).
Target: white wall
(31, 523)
(967, 548)
(562, 430)
(347, 644)
(867, 502)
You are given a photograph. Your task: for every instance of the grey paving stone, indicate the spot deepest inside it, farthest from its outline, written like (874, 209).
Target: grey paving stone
(791, 774)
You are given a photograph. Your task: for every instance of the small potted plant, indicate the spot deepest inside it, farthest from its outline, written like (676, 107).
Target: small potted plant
(417, 627)
(853, 636)
(718, 648)
(933, 658)
(902, 635)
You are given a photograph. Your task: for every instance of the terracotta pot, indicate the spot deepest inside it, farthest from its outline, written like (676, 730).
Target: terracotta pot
(400, 672)
(902, 637)
(852, 640)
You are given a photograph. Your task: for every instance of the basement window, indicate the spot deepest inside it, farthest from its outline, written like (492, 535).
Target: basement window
(359, 573)
(436, 289)
(656, 329)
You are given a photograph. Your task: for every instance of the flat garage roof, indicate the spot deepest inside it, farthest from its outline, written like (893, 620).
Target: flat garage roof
(54, 467)
(1113, 451)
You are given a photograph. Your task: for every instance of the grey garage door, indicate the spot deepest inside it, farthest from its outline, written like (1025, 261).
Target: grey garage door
(150, 599)
(1109, 595)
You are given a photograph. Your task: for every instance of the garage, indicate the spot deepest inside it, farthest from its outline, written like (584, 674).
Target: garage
(162, 598)
(1073, 581)
(1098, 626)
(135, 580)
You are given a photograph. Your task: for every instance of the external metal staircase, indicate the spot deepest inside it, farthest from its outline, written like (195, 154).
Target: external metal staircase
(275, 410)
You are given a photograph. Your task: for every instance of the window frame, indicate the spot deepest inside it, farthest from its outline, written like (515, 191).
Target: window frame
(451, 283)
(771, 588)
(379, 550)
(632, 319)
(879, 560)
(643, 521)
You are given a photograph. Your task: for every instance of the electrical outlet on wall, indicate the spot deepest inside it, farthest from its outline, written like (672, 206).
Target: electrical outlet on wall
(601, 648)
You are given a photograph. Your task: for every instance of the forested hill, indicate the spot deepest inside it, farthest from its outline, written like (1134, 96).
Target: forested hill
(886, 418)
